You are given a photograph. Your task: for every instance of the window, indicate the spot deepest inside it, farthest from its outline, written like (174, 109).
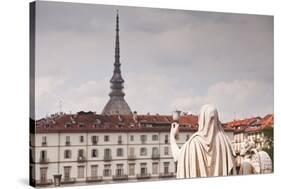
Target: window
(166, 139)
(187, 137)
(67, 172)
(107, 153)
(149, 125)
(154, 137)
(67, 125)
(131, 137)
(81, 139)
(119, 152)
(119, 170)
(43, 174)
(143, 151)
(131, 169)
(94, 170)
(119, 139)
(80, 153)
(106, 138)
(95, 139)
(131, 151)
(107, 171)
(155, 152)
(166, 150)
(166, 167)
(43, 155)
(44, 141)
(81, 171)
(143, 138)
(67, 154)
(67, 140)
(155, 168)
(94, 153)
(143, 169)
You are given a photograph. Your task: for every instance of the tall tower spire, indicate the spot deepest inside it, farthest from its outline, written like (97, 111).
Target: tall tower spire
(117, 80)
(117, 103)
(117, 45)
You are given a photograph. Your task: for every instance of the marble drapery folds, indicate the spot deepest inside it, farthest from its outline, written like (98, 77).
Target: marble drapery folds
(208, 152)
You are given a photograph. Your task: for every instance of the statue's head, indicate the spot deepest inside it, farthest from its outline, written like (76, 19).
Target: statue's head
(208, 118)
(207, 113)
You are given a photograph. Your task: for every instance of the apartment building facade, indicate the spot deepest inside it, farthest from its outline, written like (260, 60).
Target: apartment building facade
(250, 129)
(88, 154)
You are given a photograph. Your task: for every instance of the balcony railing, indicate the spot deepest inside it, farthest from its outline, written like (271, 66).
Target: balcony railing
(107, 158)
(94, 179)
(143, 176)
(131, 157)
(120, 177)
(81, 159)
(155, 156)
(67, 143)
(44, 182)
(165, 175)
(44, 144)
(68, 180)
(44, 160)
(119, 141)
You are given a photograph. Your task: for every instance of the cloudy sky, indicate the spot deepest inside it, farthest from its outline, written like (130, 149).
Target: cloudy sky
(171, 59)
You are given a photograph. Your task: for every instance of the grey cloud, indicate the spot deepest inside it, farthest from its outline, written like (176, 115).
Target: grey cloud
(186, 52)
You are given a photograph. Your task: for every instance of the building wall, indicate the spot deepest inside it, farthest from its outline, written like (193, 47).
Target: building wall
(56, 146)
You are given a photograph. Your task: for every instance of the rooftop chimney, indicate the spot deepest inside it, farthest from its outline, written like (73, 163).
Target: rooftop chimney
(135, 116)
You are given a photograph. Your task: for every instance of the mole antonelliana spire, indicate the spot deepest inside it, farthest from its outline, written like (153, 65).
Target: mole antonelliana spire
(117, 103)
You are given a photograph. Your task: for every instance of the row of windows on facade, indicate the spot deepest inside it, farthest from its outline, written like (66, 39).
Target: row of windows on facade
(241, 137)
(95, 139)
(107, 152)
(107, 170)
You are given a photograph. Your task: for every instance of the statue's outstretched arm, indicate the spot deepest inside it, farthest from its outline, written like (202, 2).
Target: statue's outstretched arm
(174, 147)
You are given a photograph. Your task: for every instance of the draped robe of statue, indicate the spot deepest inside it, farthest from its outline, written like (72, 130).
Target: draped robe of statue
(208, 152)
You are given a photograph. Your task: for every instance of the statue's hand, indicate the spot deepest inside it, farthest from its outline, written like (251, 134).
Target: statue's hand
(174, 129)
(173, 137)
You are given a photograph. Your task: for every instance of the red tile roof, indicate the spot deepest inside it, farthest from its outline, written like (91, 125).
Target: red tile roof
(254, 124)
(91, 122)
(267, 121)
(243, 122)
(101, 123)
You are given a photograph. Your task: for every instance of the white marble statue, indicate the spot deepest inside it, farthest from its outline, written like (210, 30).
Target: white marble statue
(255, 161)
(208, 152)
(246, 166)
